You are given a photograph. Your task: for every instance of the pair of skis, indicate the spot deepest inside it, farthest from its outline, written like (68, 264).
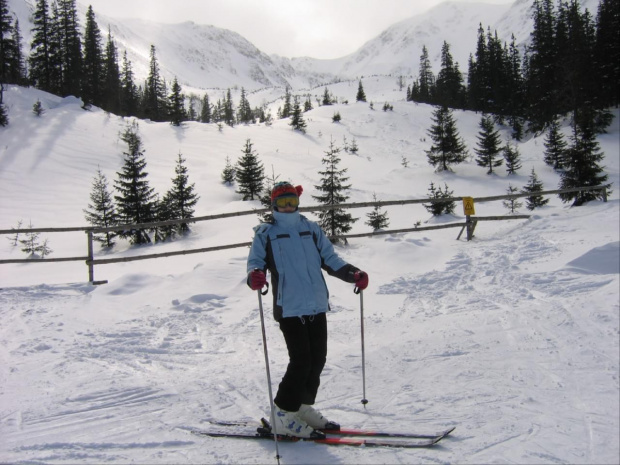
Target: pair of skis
(343, 436)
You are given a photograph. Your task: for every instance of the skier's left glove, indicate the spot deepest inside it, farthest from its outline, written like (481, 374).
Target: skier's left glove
(361, 280)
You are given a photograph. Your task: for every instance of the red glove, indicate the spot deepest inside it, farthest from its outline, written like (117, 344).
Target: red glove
(361, 280)
(257, 280)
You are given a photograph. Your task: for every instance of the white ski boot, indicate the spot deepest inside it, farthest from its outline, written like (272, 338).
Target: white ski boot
(290, 424)
(315, 419)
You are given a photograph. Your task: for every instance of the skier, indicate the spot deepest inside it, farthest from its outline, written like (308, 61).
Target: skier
(294, 249)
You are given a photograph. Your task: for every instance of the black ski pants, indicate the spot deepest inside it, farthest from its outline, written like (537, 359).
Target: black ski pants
(306, 341)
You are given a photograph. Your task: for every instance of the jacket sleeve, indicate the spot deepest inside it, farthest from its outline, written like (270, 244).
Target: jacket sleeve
(257, 259)
(330, 261)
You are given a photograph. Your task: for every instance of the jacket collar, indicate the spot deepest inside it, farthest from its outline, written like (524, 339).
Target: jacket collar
(287, 220)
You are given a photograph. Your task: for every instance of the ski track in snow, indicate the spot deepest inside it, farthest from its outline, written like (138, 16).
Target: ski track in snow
(483, 344)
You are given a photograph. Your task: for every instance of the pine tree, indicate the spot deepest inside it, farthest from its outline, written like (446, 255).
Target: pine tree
(308, 104)
(581, 164)
(426, 79)
(136, 199)
(335, 222)
(361, 96)
(287, 108)
(250, 173)
(541, 80)
(93, 68)
(130, 99)
(7, 45)
(376, 218)
(441, 204)
(40, 59)
(607, 53)
(229, 173)
(512, 204)
(70, 48)
(37, 108)
(154, 104)
(533, 187)
(513, 158)
(176, 105)
(297, 119)
(244, 112)
(16, 72)
(327, 100)
(111, 78)
(449, 88)
(336, 117)
(228, 110)
(205, 112)
(488, 148)
(181, 198)
(448, 148)
(4, 114)
(265, 198)
(101, 212)
(555, 146)
(32, 246)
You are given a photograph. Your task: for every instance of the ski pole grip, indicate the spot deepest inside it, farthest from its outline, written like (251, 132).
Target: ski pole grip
(266, 290)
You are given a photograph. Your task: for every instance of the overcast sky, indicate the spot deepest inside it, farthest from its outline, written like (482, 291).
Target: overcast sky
(290, 28)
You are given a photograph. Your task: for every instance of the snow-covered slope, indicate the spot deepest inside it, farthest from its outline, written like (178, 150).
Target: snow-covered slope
(512, 337)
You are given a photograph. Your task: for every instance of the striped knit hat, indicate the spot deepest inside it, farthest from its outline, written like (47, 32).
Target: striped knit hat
(285, 189)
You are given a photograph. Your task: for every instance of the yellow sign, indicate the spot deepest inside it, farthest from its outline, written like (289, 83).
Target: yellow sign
(468, 206)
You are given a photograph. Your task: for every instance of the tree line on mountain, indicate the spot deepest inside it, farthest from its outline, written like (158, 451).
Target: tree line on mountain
(572, 67)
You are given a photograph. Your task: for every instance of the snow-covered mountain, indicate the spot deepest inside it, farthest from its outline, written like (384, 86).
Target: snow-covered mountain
(204, 56)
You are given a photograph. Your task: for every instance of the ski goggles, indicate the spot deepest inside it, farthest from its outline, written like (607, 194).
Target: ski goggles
(283, 202)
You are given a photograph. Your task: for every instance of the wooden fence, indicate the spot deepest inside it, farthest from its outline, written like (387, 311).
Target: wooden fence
(469, 225)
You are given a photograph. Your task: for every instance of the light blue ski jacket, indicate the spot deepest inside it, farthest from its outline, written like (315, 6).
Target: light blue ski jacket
(294, 250)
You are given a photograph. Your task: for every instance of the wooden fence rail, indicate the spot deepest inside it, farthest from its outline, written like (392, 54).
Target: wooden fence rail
(469, 225)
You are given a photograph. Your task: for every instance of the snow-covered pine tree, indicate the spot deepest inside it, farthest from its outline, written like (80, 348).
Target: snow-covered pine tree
(335, 222)
(533, 187)
(250, 174)
(135, 201)
(154, 99)
(512, 157)
(297, 119)
(376, 218)
(228, 174)
(101, 212)
(448, 148)
(361, 96)
(32, 246)
(441, 205)
(182, 197)
(555, 146)
(488, 148)
(308, 104)
(40, 58)
(512, 204)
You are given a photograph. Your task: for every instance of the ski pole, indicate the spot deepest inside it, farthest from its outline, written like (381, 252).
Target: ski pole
(272, 416)
(361, 293)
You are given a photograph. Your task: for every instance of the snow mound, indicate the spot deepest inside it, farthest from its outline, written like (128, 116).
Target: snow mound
(599, 260)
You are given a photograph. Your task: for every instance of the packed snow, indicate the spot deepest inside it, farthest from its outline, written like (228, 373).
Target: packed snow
(512, 337)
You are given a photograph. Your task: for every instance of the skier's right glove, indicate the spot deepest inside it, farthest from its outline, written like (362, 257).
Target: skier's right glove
(257, 279)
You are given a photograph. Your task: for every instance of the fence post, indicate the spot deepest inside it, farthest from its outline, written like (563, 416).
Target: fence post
(89, 262)
(468, 225)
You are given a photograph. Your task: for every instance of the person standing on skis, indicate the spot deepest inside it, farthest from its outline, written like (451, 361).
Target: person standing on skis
(294, 250)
